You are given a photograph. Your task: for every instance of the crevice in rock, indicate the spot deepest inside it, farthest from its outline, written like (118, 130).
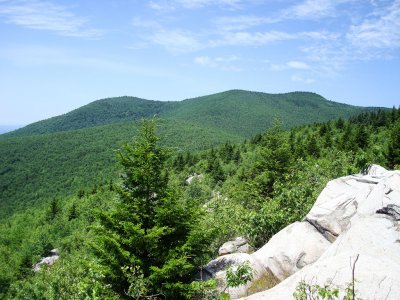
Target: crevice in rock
(388, 191)
(391, 210)
(330, 236)
(300, 263)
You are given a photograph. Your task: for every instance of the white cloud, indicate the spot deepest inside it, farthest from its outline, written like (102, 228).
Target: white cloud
(203, 61)
(243, 38)
(295, 65)
(220, 62)
(311, 9)
(241, 22)
(298, 65)
(165, 6)
(202, 3)
(175, 40)
(249, 38)
(145, 23)
(34, 56)
(302, 79)
(382, 30)
(42, 15)
(162, 6)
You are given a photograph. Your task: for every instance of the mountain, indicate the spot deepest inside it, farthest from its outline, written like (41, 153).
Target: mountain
(237, 112)
(63, 154)
(8, 128)
(252, 189)
(33, 168)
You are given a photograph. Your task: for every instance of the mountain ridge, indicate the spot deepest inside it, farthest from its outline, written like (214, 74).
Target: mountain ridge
(252, 110)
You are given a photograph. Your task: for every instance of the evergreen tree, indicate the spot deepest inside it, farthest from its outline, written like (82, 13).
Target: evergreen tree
(393, 156)
(340, 124)
(275, 159)
(145, 242)
(312, 147)
(361, 137)
(53, 210)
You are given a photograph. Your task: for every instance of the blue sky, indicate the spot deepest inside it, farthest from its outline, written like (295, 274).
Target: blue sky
(58, 55)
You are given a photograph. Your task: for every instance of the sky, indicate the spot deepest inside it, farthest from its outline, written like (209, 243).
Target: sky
(56, 56)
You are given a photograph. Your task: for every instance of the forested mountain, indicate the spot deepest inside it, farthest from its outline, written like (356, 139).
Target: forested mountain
(34, 168)
(148, 232)
(61, 155)
(237, 112)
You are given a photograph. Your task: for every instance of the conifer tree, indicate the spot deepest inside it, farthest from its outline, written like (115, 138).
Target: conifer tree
(393, 156)
(145, 242)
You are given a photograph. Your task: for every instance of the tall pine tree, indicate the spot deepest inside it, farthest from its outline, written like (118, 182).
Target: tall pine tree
(145, 242)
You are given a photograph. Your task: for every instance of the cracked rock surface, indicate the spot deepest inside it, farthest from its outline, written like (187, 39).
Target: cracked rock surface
(358, 215)
(354, 215)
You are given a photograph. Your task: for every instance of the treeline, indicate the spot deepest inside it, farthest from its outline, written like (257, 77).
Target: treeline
(149, 232)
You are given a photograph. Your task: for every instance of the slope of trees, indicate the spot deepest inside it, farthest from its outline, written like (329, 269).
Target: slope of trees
(34, 169)
(237, 112)
(147, 233)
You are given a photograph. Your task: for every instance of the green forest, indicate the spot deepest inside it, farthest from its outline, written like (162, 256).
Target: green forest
(126, 222)
(236, 112)
(59, 156)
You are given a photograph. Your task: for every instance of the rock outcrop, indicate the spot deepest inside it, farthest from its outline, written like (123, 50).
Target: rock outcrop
(48, 260)
(356, 215)
(238, 245)
(195, 176)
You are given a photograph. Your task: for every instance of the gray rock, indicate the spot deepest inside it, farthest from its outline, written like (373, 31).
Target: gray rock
(362, 213)
(195, 176)
(354, 216)
(217, 269)
(49, 260)
(238, 245)
(292, 248)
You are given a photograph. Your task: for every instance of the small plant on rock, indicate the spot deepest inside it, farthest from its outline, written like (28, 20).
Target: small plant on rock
(237, 276)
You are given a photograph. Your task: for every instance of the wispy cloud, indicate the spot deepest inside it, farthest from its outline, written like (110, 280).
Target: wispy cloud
(176, 41)
(310, 9)
(202, 3)
(42, 15)
(381, 30)
(34, 56)
(250, 38)
(166, 6)
(140, 22)
(302, 79)
(224, 63)
(299, 65)
(246, 38)
(238, 23)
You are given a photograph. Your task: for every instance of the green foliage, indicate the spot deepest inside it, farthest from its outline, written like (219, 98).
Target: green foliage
(148, 233)
(393, 155)
(237, 112)
(59, 156)
(306, 291)
(240, 275)
(144, 242)
(34, 169)
(78, 278)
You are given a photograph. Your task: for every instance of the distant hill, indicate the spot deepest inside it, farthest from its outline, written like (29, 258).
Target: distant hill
(38, 167)
(8, 128)
(60, 155)
(238, 112)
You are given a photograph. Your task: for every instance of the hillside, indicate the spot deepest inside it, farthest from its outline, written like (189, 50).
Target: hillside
(58, 156)
(252, 189)
(34, 168)
(237, 112)
(249, 113)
